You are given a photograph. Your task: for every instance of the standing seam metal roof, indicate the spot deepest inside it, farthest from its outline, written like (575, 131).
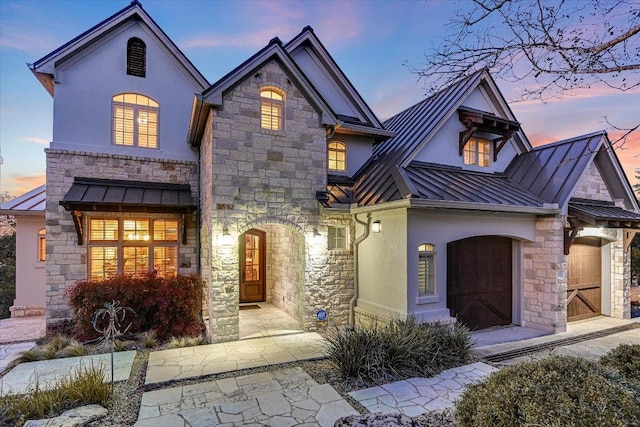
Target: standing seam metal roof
(32, 201)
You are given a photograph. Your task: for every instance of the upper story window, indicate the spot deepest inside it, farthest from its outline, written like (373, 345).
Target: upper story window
(477, 152)
(42, 245)
(136, 57)
(337, 238)
(271, 109)
(337, 156)
(135, 120)
(426, 269)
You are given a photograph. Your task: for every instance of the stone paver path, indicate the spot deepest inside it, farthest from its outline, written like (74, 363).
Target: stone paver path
(9, 352)
(416, 396)
(48, 372)
(193, 362)
(16, 329)
(279, 398)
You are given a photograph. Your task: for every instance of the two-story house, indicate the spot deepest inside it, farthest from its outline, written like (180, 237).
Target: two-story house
(278, 183)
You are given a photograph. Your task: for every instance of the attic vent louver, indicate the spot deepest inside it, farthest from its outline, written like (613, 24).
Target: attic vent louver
(136, 57)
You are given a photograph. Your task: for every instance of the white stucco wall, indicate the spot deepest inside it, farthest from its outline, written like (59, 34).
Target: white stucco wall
(443, 147)
(30, 274)
(382, 265)
(86, 84)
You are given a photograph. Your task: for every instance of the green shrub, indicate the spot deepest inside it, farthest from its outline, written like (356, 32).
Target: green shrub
(401, 349)
(54, 347)
(170, 306)
(83, 387)
(553, 391)
(625, 359)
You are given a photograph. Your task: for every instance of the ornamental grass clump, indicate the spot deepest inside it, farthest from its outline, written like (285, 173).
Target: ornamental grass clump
(553, 391)
(54, 347)
(83, 387)
(398, 350)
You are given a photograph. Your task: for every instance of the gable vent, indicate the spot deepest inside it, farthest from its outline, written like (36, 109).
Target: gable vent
(136, 57)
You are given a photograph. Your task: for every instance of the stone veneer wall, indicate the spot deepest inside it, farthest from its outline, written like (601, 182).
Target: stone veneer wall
(620, 278)
(66, 260)
(286, 263)
(545, 277)
(592, 186)
(258, 178)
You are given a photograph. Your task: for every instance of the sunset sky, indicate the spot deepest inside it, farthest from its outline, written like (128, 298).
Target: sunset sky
(369, 40)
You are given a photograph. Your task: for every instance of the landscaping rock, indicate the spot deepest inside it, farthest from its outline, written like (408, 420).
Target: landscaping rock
(76, 417)
(375, 420)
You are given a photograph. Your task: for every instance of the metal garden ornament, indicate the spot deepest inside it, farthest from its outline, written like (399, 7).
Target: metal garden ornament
(115, 314)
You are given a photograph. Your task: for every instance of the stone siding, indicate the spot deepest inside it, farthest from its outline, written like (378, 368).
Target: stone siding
(285, 262)
(592, 186)
(545, 277)
(262, 178)
(66, 260)
(620, 278)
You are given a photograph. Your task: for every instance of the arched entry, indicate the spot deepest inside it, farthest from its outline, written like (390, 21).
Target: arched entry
(584, 281)
(479, 281)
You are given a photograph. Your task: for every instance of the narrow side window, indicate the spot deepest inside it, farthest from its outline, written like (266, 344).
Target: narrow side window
(136, 57)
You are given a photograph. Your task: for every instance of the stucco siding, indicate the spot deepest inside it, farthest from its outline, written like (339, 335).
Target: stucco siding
(30, 272)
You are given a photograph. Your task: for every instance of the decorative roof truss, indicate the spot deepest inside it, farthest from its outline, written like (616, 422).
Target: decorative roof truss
(485, 122)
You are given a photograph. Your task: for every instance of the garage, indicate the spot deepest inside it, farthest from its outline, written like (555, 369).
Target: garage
(479, 281)
(584, 281)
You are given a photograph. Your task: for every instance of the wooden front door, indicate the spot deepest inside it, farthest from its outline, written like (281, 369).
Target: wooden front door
(584, 294)
(252, 266)
(479, 281)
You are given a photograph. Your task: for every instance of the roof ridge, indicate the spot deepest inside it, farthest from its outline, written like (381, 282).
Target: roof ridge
(568, 140)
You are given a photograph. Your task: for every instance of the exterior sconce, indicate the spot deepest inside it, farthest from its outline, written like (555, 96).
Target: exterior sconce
(317, 237)
(376, 227)
(226, 237)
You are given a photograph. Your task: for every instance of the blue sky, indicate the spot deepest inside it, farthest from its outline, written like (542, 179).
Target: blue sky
(369, 40)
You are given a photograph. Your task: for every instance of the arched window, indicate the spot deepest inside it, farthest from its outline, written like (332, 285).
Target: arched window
(426, 269)
(135, 120)
(271, 109)
(42, 245)
(337, 156)
(136, 57)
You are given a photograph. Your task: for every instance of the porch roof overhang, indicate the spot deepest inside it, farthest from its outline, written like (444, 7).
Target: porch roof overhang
(601, 213)
(109, 195)
(483, 121)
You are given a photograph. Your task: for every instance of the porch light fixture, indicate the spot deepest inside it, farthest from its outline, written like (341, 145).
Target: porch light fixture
(376, 227)
(226, 236)
(316, 235)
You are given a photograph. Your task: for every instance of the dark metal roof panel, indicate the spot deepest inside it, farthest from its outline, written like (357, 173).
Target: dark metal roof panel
(31, 201)
(602, 211)
(128, 196)
(436, 182)
(552, 171)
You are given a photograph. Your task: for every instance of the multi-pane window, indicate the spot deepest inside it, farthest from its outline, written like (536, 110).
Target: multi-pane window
(337, 156)
(42, 245)
(132, 246)
(271, 109)
(338, 238)
(426, 269)
(477, 152)
(135, 120)
(136, 57)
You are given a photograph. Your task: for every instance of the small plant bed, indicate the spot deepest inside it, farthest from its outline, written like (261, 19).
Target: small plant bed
(553, 391)
(82, 387)
(398, 350)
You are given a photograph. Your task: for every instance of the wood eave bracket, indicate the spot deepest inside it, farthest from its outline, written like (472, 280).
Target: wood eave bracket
(570, 233)
(499, 143)
(77, 222)
(627, 238)
(465, 136)
(184, 229)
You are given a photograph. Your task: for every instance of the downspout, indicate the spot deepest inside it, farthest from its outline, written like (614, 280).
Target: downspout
(352, 302)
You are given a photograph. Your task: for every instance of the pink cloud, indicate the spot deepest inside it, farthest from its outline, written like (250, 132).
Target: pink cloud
(36, 140)
(12, 38)
(20, 184)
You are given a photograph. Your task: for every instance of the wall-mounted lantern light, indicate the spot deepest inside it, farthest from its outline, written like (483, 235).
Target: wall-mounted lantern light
(376, 227)
(226, 237)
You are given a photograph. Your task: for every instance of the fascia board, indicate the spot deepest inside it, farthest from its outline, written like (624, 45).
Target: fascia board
(615, 164)
(350, 128)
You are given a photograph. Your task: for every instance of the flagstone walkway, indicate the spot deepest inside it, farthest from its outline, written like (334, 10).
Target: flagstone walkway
(192, 362)
(279, 398)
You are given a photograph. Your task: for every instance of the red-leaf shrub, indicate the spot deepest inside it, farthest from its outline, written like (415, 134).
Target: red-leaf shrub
(170, 306)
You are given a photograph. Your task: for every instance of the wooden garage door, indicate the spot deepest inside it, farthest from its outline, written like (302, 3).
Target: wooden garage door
(584, 297)
(479, 277)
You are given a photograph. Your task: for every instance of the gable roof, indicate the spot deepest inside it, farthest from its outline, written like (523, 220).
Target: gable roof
(44, 68)
(552, 171)
(30, 203)
(367, 122)
(414, 127)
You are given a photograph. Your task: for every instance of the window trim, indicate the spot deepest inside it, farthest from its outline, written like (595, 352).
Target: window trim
(141, 104)
(335, 239)
(472, 152)
(339, 147)
(41, 255)
(122, 242)
(278, 103)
